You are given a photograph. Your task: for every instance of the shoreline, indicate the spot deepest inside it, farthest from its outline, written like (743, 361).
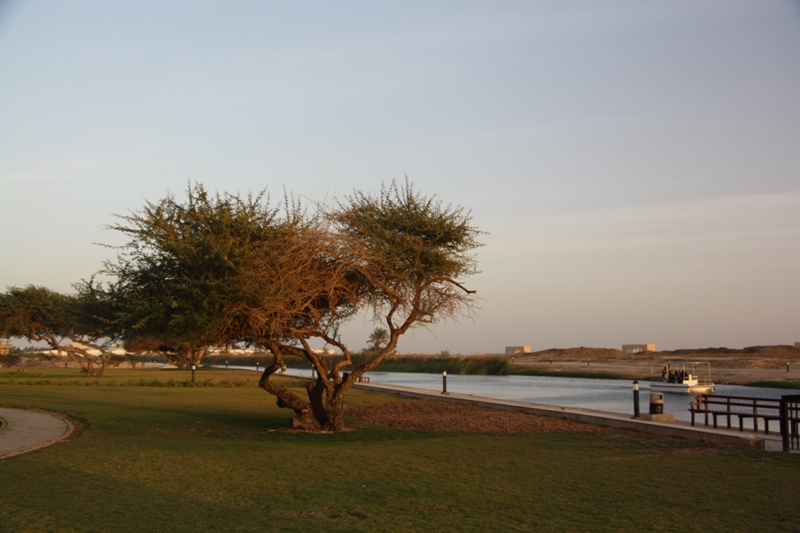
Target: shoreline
(724, 370)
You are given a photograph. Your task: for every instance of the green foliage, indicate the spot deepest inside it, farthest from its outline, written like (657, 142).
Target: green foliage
(566, 373)
(415, 248)
(471, 365)
(776, 384)
(219, 269)
(179, 278)
(136, 378)
(378, 338)
(35, 313)
(10, 360)
(39, 314)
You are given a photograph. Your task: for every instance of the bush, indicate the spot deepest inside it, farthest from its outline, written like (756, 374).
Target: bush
(10, 360)
(443, 362)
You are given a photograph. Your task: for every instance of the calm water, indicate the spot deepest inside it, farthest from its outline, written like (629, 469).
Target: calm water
(601, 394)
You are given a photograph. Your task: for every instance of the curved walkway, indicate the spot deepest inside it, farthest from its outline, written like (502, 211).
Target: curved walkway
(25, 431)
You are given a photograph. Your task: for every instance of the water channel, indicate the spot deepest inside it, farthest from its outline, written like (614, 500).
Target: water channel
(613, 395)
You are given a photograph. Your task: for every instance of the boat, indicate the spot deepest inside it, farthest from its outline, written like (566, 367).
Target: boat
(676, 378)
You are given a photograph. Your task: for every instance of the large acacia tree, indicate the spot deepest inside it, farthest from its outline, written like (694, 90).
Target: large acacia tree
(221, 269)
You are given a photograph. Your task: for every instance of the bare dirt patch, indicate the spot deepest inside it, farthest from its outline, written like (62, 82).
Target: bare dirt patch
(435, 415)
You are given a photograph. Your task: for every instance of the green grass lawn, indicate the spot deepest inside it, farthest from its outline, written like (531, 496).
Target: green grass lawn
(209, 459)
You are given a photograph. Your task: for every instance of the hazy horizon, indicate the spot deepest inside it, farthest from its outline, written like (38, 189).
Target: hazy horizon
(634, 164)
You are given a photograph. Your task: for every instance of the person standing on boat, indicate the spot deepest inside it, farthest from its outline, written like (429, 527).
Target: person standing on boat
(664, 374)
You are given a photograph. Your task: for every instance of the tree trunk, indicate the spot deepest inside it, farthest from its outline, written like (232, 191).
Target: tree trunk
(324, 410)
(186, 358)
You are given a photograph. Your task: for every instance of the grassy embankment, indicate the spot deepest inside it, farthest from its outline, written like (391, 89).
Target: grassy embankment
(775, 384)
(172, 458)
(473, 365)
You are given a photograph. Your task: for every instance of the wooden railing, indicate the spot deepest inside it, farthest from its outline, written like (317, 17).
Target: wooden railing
(741, 407)
(790, 422)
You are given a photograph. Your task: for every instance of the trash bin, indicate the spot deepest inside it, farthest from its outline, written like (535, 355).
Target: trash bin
(656, 403)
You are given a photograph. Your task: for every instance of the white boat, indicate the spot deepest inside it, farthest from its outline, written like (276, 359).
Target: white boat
(675, 378)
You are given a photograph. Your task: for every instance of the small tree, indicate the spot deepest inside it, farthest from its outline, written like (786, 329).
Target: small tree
(41, 315)
(10, 360)
(378, 338)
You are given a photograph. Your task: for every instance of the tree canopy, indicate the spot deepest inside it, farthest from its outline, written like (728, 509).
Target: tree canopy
(73, 324)
(378, 338)
(178, 280)
(220, 269)
(402, 256)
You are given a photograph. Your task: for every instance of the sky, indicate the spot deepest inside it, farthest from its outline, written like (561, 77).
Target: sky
(635, 165)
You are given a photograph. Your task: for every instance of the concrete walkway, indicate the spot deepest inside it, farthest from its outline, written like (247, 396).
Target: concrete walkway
(678, 429)
(25, 431)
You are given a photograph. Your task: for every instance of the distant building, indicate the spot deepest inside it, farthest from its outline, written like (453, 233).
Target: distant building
(638, 348)
(511, 350)
(5, 347)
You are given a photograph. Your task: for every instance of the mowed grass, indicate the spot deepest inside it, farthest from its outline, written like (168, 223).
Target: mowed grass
(217, 459)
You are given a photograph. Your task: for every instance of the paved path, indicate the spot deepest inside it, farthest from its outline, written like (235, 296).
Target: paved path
(25, 431)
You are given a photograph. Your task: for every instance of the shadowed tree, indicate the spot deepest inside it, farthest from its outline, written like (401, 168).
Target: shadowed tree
(41, 315)
(34, 313)
(10, 360)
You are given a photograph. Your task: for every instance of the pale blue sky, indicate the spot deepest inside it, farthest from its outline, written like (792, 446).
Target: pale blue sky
(636, 164)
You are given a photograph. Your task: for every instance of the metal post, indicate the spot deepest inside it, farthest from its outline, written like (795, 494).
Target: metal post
(226, 365)
(444, 382)
(193, 369)
(635, 399)
(256, 366)
(784, 424)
